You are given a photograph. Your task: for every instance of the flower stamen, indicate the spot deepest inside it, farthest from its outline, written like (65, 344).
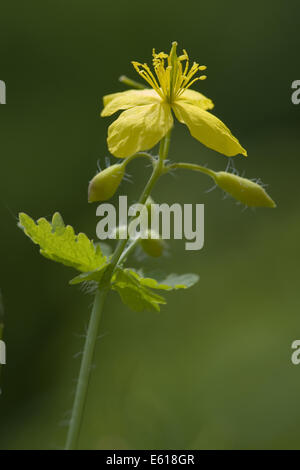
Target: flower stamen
(172, 78)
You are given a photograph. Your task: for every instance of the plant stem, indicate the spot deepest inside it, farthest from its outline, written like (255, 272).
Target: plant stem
(131, 83)
(103, 288)
(190, 166)
(136, 155)
(84, 375)
(126, 252)
(158, 170)
(1, 320)
(166, 147)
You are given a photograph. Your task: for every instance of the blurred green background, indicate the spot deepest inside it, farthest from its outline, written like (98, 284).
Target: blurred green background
(213, 369)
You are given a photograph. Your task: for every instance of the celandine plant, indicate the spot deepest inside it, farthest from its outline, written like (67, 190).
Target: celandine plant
(146, 119)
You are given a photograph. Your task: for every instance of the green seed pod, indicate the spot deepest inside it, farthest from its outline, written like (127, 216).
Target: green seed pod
(104, 185)
(249, 193)
(152, 245)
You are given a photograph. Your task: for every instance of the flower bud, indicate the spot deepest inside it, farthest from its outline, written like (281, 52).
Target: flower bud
(152, 245)
(104, 185)
(246, 191)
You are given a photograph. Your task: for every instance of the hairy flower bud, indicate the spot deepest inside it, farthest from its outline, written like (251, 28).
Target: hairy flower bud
(152, 245)
(104, 185)
(246, 191)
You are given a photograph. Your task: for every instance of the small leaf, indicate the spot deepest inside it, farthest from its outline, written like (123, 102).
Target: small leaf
(180, 281)
(95, 276)
(133, 294)
(136, 290)
(59, 243)
(138, 300)
(171, 282)
(58, 225)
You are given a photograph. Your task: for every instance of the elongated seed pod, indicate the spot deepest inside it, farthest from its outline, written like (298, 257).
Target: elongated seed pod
(246, 191)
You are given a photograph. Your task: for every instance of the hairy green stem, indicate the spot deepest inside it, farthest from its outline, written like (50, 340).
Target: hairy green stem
(1, 320)
(84, 374)
(103, 288)
(190, 166)
(136, 155)
(158, 170)
(1, 336)
(128, 250)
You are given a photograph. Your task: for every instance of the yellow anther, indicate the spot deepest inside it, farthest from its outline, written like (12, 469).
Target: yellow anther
(171, 78)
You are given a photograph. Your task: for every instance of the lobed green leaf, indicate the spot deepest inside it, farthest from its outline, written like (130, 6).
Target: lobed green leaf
(136, 291)
(171, 282)
(133, 294)
(59, 243)
(95, 276)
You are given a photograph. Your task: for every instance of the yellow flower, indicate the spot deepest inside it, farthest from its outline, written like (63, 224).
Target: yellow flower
(147, 115)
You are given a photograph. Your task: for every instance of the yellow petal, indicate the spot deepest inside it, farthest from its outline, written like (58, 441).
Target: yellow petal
(196, 98)
(128, 99)
(208, 129)
(139, 128)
